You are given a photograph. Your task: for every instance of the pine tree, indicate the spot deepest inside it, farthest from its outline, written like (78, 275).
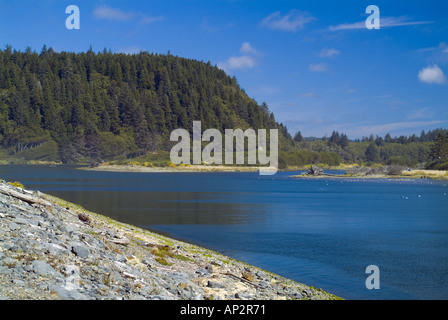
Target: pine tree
(298, 137)
(372, 153)
(343, 141)
(439, 149)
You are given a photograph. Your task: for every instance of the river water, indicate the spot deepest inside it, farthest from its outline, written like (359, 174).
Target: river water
(320, 232)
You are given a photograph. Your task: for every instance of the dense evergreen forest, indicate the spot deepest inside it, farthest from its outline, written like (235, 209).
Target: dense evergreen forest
(91, 107)
(78, 107)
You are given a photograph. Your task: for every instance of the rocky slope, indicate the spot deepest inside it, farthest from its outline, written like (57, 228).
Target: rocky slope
(52, 249)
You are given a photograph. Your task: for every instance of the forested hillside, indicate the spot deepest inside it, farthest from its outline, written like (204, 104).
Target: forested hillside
(81, 107)
(92, 107)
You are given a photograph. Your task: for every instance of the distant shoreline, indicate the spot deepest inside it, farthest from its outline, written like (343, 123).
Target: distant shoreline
(194, 168)
(412, 174)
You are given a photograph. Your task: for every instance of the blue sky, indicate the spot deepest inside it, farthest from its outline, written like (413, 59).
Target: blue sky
(313, 62)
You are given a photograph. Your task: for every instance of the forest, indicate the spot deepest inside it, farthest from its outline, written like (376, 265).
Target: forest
(92, 107)
(81, 107)
(427, 150)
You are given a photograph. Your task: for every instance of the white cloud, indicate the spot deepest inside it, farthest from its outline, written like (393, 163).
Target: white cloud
(328, 53)
(436, 54)
(108, 13)
(317, 67)
(442, 47)
(382, 129)
(432, 75)
(130, 50)
(245, 61)
(385, 22)
(247, 48)
(292, 21)
(242, 62)
(308, 95)
(105, 12)
(424, 113)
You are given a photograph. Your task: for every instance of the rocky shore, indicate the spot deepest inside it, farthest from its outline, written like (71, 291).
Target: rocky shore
(52, 250)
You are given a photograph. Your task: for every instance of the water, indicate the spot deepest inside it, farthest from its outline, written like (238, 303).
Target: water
(321, 232)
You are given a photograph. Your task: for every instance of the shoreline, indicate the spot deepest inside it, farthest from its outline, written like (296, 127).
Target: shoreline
(410, 175)
(192, 168)
(51, 249)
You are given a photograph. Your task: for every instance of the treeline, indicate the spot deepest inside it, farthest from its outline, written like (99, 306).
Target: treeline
(411, 151)
(78, 107)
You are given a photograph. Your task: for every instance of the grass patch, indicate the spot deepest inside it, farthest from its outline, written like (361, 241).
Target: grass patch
(183, 258)
(163, 261)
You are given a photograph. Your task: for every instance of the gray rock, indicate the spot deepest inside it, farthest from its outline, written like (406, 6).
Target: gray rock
(149, 262)
(25, 221)
(80, 250)
(192, 293)
(243, 295)
(44, 214)
(13, 226)
(296, 295)
(55, 249)
(158, 297)
(218, 263)
(43, 268)
(9, 262)
(18, 282)
(75, 235)
(179, 276)
(5, 270)
(121, 258)
(70, 270)
(264, 284)
(216, 285)
(209, 268)
(202, 272)
(7, 245)
(65, 294)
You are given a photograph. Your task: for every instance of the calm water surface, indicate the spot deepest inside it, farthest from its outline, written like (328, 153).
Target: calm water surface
(323, 233)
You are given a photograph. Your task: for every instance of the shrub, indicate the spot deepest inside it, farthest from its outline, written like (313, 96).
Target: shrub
(441, 166)
(171, 165)
(17, 184)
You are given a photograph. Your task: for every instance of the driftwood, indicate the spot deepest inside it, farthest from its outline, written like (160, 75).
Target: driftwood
(24, 196)
(242, 279)
(122, 241)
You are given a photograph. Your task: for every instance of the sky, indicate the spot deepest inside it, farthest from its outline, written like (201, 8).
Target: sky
(315, 63)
